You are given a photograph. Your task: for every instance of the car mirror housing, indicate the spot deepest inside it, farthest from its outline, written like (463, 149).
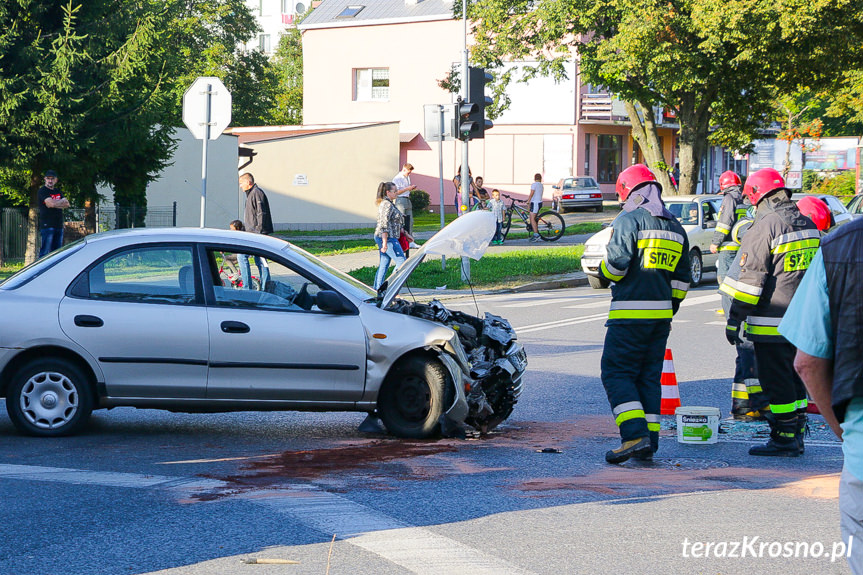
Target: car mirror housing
(333, 302)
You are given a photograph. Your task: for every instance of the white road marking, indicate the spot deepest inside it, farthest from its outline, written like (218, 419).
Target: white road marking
(106, 478)
(716, 323)
(538, 302)
(605, 302)
(700, 299)
(560, 323)
(416, 549)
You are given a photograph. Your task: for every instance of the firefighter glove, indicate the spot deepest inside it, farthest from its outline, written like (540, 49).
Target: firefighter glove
(732, 332)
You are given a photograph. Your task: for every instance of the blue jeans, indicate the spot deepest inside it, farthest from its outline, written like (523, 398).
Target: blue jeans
(246, 271)
(394, 251)
(52, 239)
(498, 232)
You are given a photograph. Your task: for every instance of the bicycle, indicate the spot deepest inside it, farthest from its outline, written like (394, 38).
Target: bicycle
(550, 223)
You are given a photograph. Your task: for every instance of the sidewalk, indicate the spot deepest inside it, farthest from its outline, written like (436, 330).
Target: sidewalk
(348, 262)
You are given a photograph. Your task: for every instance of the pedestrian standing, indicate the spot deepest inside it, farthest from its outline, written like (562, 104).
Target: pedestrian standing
(535, 202)
(734, 206)
(257, 219)
(824, 322)
(497, 207)
(52, 202)
(648, 261)
(389, 227)
(774, 254)
(456, 181)
(404, 187)
(481, 194)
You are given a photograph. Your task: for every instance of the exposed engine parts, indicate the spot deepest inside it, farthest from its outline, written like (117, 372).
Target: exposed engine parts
(496, 361)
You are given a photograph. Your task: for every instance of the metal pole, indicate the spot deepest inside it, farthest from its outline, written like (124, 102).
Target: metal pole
(440, 179)
(204, 158)
(465, 169)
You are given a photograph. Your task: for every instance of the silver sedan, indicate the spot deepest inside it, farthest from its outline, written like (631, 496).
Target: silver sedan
(163, 318)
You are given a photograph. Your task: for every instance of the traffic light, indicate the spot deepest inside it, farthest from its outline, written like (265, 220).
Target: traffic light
(476, 94)
(467, 124)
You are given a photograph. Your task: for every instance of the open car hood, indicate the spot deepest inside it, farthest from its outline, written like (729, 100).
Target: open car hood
(468, 235)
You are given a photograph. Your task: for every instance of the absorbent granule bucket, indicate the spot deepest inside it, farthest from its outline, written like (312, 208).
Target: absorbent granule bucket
(697, 425)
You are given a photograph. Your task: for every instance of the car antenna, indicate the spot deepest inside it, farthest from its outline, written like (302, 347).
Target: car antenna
(470, 285)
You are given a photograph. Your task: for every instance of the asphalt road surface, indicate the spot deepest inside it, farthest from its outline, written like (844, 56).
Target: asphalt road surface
(145, 491)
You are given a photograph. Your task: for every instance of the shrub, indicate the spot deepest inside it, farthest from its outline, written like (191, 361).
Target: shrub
(840, 184)
(420, 200)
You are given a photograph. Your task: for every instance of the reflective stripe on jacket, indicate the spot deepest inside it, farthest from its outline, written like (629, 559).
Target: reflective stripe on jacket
(773, 256)
(648, 259)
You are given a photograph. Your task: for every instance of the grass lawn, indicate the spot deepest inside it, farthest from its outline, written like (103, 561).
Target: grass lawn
(493, 270)
(9, 269)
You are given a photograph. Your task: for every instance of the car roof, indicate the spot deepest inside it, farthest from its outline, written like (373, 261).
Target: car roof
(689, 198)
(184, 234)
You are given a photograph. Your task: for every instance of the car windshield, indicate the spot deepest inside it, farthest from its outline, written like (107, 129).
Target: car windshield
(41, 265)
(356, 287)
(686, 212)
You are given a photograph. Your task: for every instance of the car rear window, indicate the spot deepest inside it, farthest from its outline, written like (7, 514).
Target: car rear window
(40, 266)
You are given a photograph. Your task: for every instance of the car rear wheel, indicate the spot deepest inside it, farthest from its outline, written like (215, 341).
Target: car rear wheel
(49, 397)
(413, 398)
(597, 283)
(599, 208)
(695, 267)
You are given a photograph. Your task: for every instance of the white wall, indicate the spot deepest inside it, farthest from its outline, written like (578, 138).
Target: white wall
(181, 182)
(541, 100)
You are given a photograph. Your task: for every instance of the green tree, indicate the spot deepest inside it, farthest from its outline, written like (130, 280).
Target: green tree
(715, 63)
(288, 64)
(77, 80)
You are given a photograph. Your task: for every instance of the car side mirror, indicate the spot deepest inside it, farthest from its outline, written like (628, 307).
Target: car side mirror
(606, 224)
(709, 224)
(333, 302)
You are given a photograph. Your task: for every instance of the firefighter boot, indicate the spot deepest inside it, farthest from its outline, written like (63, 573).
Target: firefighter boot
(783, 438)
(633, 447)
(802, 428)
(654, 447)
(739, 400)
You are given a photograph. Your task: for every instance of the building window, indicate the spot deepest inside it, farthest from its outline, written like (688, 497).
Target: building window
(609, 152)
(286, 7)
(260, 7)
(587, 154)
(350, 11)
(264, 43)
(371, 84)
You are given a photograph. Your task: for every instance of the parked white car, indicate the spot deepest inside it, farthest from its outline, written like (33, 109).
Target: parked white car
(157, 318)
(697, 214)
(841, 213)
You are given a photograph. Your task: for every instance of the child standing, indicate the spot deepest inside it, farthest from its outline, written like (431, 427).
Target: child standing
(496, 206)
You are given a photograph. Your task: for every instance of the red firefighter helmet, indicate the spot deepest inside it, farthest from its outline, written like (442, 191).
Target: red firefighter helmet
(762, 183)
(631, 178)
(728, 179)
(816, 210)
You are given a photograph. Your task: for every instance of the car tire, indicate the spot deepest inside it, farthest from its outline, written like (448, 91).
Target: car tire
(598, 283)
(696, 267)
(412, 399)
(49, 397)
(599, 208)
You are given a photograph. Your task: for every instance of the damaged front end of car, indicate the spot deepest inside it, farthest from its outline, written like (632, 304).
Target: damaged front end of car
(486, 363)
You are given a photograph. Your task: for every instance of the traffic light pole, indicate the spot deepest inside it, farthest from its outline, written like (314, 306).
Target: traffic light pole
(465, 169)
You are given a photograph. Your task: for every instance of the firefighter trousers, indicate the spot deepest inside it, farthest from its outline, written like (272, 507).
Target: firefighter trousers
(632, 359)
(780, 382)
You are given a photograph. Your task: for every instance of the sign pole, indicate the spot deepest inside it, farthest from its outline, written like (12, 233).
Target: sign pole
(209, 95)
(465, 168)
(440, 180)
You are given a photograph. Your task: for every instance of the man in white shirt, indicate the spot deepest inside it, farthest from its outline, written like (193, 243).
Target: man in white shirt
(402, 180)
(535, 201)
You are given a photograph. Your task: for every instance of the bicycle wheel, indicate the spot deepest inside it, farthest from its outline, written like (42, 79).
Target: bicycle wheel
(551, 226)
(505, 226)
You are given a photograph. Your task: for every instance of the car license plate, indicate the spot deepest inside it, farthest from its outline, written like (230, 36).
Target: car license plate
(582, 196)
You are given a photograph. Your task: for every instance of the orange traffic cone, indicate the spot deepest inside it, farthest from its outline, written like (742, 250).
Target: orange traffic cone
(670, 393)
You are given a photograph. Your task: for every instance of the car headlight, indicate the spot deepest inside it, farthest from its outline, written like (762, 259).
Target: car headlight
(593, 250)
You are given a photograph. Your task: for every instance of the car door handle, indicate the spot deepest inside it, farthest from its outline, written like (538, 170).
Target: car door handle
(88, 321)
(235, 327)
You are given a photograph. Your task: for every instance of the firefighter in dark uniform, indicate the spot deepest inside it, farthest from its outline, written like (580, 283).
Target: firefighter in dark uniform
(774, 254)
(734, 206)
(648, 261)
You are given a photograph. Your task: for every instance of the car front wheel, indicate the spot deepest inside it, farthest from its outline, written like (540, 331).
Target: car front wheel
(597, 283)
(696, 267)
(412, 398)
(49, 397)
